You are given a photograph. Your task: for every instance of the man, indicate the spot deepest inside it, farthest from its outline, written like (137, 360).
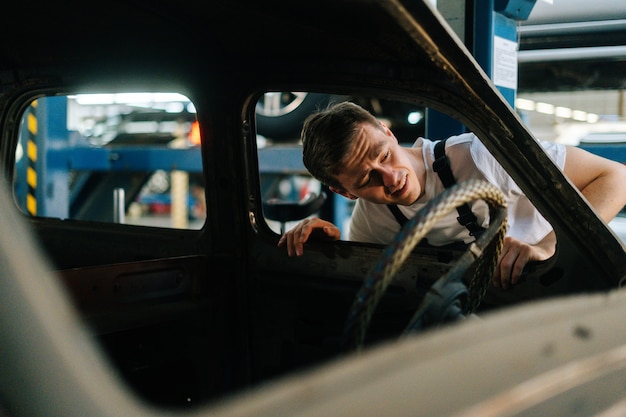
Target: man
(358, 157)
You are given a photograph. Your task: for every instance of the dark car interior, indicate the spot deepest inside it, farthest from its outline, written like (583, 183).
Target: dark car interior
(191, 315)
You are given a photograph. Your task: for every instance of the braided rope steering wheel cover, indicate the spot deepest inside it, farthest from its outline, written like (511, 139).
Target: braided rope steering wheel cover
(381, 275)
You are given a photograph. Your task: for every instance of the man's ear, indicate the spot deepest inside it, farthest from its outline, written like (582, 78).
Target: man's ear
(342, 192)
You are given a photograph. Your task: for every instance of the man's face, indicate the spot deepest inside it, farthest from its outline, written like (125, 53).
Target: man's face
(379, 170)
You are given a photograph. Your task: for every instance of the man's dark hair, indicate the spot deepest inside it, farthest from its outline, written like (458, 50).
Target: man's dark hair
(327, 136)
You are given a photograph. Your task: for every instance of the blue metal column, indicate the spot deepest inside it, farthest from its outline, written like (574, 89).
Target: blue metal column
(494, 44)
(53, 192)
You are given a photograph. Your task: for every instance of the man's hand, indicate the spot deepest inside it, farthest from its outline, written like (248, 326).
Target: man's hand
(308, 228)
(516, 254)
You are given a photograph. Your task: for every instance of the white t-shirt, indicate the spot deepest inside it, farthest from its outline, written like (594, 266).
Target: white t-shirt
(469, 159)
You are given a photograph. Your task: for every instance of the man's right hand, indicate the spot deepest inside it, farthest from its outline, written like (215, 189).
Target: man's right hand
(308, 228)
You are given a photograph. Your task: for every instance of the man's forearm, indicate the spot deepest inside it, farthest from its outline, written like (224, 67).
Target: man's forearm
(607, 195)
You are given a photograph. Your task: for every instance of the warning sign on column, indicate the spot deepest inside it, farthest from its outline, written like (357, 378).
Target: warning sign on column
(504, 63)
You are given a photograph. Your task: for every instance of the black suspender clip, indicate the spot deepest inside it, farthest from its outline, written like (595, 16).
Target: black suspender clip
(441, 166)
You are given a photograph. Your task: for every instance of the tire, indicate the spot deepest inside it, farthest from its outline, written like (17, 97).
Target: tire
(279, 115)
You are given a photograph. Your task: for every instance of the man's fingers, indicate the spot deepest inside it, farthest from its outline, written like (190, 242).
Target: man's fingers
(301, 236)
(504, 268)
(518, 267)
(295, 238)
(515, 255)
(294, 244)
(332, 232)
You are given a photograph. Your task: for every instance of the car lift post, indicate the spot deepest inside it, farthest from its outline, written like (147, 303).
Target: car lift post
(44, 137)
(488, 29)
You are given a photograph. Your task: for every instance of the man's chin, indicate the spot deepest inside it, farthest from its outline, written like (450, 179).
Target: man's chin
(407, 200)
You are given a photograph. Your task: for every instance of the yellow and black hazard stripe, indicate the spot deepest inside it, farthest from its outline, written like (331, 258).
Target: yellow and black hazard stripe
(31, 154)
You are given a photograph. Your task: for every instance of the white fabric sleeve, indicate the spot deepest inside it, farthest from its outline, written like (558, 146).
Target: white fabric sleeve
(525, 221)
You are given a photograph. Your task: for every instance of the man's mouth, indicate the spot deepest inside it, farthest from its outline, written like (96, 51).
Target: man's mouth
(401, 189)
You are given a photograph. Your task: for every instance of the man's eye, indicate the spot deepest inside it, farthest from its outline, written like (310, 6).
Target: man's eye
(366, 181)
(386, 156)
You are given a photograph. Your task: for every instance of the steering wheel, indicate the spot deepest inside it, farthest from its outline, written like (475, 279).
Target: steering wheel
(452, 296)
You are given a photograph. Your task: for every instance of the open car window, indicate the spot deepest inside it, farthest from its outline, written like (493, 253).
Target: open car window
(290, 194)
(125, 158)
(288, 191)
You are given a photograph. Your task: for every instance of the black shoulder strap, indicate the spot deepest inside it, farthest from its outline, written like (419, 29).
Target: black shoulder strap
(400, 217)
(442, 167)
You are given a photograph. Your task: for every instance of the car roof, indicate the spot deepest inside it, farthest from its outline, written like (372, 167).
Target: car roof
(87, 30)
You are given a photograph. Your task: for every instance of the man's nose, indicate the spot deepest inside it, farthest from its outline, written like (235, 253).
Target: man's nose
(389, 178)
